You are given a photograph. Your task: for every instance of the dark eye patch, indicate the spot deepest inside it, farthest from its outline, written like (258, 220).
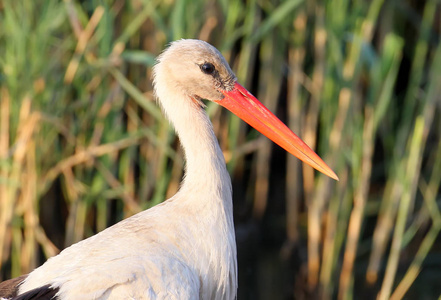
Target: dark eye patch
(208, 68)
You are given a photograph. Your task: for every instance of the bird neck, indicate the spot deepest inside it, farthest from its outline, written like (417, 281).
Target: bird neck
(205, 164)
(205, 194)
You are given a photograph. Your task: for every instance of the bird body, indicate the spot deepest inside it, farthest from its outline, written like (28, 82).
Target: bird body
(185, 247)
(147, 257)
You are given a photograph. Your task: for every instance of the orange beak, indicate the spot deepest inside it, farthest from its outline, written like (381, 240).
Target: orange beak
(244, 105)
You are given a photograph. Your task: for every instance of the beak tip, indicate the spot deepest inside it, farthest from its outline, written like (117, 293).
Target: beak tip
(331, 174)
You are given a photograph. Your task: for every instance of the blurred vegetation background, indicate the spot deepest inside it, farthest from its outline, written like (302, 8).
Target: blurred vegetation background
(83, 144)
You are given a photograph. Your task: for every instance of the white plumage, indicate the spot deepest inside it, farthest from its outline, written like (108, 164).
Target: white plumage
(185, 247)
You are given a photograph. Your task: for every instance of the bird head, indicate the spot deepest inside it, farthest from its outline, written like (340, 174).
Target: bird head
(199, 71)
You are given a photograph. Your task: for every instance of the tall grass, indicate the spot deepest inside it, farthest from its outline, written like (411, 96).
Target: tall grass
(83, 145)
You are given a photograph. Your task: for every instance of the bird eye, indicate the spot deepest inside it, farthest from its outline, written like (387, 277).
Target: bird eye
(208, 68)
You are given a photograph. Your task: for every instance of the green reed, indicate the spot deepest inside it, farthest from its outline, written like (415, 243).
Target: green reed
(79, 127)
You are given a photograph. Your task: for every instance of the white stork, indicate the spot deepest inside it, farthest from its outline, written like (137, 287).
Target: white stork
(185, 247)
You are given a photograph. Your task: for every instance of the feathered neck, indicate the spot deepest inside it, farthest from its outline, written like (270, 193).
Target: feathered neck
(206, 189)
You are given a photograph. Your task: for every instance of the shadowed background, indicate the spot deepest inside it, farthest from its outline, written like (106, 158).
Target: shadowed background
(83, 144)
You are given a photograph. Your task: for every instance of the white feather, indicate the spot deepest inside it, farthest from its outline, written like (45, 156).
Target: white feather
(183, 248)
